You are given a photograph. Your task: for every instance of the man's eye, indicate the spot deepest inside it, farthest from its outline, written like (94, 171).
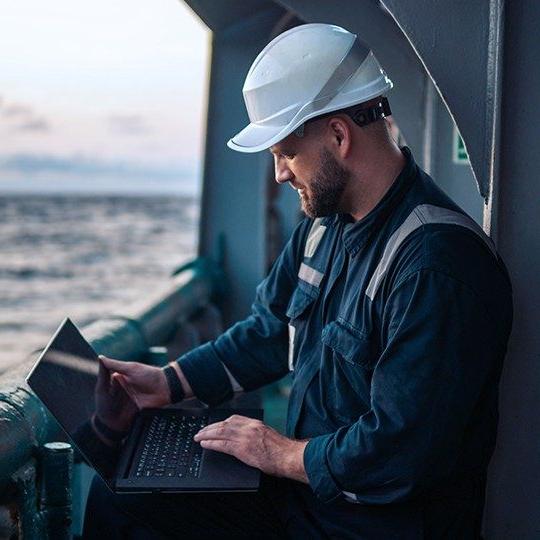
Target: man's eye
(288, 156)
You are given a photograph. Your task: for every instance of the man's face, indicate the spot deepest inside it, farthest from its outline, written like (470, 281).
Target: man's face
(314, 172)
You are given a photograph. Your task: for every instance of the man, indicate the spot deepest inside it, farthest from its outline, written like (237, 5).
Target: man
(389, 305)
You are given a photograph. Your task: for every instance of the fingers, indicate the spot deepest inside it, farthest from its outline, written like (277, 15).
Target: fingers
(210, 429)
(234, 420)
(217, 431)
(228, 447)
(103, 380)
(116, 365)
(117, 373)
(116, 387)
(238, 436)
(117, 392)
(118, 378)
(231, 428)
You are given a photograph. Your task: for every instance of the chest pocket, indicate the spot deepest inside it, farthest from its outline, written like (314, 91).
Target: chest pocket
(302, 300)
(347, 370)
(349, 344)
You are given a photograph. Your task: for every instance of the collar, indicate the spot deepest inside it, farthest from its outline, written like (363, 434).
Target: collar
(357, 233)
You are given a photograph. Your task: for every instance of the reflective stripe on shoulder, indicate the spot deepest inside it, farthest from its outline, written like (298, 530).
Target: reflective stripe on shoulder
(314, 237)
(424, 214)
(306, 272)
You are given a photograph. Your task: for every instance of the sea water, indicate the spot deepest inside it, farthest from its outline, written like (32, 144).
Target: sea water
(84, 257)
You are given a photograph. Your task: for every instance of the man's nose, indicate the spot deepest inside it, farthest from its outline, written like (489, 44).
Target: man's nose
(282, 173)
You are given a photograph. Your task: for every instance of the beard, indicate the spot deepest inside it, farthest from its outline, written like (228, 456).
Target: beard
(326, 188)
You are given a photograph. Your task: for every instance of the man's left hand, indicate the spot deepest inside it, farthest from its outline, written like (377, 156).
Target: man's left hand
(256, 444)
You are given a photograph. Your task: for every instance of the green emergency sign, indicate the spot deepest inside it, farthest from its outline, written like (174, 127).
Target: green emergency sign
(459, 152)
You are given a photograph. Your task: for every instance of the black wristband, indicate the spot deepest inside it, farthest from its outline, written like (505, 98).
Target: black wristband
(175, 385)
(111, 434)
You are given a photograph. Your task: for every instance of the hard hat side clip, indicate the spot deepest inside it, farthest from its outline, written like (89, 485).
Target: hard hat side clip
(361, 116)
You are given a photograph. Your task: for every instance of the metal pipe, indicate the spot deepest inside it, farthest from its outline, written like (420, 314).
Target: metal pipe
(29, 518)
(57, 466)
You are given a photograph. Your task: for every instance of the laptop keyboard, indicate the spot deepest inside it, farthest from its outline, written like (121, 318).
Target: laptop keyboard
(169, 449)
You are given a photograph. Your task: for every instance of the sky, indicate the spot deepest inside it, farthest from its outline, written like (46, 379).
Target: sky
(107, 95)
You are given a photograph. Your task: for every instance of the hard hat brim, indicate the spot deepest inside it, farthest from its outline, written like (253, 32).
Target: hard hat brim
(254, 138)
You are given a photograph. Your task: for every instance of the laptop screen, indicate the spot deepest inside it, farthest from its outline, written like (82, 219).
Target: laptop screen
(64, 378)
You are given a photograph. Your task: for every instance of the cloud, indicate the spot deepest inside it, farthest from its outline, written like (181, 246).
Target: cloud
(32, 165)
(23, 118)
(33, 124)
(128, 124)
(17, 111)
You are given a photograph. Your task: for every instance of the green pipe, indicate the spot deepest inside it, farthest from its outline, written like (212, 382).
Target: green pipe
(30, 520)
(157, 356)
(24, 423)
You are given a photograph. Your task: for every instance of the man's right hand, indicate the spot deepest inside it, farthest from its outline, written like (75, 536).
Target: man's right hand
(146, 385)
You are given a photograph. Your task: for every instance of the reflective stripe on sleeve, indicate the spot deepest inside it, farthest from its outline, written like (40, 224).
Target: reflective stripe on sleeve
(292, 331)
(310, 275)
(234, 383)
(350, 497)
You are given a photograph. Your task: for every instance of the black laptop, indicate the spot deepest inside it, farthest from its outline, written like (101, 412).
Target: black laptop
(159, 454)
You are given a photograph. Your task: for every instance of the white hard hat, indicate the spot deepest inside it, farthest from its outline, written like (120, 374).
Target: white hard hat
(307, 71)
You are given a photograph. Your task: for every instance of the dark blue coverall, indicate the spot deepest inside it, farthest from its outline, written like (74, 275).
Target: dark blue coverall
(397, 390)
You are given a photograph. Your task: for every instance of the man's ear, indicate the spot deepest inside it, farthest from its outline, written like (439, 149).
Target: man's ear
(341, 135)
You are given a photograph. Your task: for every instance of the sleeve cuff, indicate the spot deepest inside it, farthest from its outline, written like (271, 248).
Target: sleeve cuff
(318, 472)
(206, 375)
